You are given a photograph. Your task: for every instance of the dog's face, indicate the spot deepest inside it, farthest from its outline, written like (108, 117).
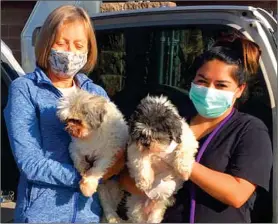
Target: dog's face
(155, 125)
(82, 112)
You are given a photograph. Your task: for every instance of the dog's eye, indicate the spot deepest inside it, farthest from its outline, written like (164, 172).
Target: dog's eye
(75, 121)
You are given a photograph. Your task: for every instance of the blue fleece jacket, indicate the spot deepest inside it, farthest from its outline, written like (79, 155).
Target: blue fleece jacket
(48, 188)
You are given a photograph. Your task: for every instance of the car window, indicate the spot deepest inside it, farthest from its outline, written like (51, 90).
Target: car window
(132, 58)
(161, 55)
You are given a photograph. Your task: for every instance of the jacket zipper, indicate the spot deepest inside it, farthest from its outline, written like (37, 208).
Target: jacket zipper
(74, 207)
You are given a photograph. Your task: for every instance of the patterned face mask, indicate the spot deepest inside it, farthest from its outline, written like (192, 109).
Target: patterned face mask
(65, 63)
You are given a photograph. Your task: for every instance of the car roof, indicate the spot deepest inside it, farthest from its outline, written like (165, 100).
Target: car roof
(165, 9)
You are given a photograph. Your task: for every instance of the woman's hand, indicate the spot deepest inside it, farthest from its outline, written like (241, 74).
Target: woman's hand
(128, 183)
(117, 166)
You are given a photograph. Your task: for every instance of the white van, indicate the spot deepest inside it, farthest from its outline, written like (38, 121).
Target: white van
(151, 50)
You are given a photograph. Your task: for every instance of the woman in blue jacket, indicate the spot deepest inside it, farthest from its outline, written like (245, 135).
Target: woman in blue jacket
(48, 189)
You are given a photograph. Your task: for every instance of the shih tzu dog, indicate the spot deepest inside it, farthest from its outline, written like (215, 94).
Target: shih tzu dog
(157, 133)
(98, 132)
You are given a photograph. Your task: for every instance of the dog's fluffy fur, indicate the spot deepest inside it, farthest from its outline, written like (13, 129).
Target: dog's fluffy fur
(157, 132)
(98, 132)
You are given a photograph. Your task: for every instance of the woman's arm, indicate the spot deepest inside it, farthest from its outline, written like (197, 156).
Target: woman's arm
(117, 166)
(233, 191)
(249, 166)
(25, 139)
(230, 190)
(128, 183)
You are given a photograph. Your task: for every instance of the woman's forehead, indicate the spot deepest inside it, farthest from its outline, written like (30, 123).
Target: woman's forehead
(72, 31)
(216, 70)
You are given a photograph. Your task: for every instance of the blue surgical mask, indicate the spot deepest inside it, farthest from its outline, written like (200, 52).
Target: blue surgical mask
(210, 102)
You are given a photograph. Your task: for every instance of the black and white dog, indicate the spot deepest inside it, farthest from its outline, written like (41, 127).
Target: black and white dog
(157, 135)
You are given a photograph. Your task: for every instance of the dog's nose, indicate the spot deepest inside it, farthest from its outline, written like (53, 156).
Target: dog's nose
(146, 145)
(144, 142)
(73, 131)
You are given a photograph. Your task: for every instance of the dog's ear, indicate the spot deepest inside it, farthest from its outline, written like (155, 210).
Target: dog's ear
(176, 132)
(95, 112)
(96, 118)
(172, 124)
(132, 124)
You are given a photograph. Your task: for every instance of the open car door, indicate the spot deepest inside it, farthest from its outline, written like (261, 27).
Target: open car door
(10, 70)
(151, 51)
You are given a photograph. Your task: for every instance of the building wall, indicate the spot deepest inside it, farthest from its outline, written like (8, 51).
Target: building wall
(269, 5)
(14, 15)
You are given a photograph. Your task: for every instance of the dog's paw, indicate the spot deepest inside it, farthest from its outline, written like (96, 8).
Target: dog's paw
(185, 172)
(83, 174)
(88, 186)
(183, 165)
(162, 191)
(185, 175)
(144, 184)
(113, 219)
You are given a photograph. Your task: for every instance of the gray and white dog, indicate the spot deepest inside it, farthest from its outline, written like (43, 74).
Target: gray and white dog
(98, 130)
